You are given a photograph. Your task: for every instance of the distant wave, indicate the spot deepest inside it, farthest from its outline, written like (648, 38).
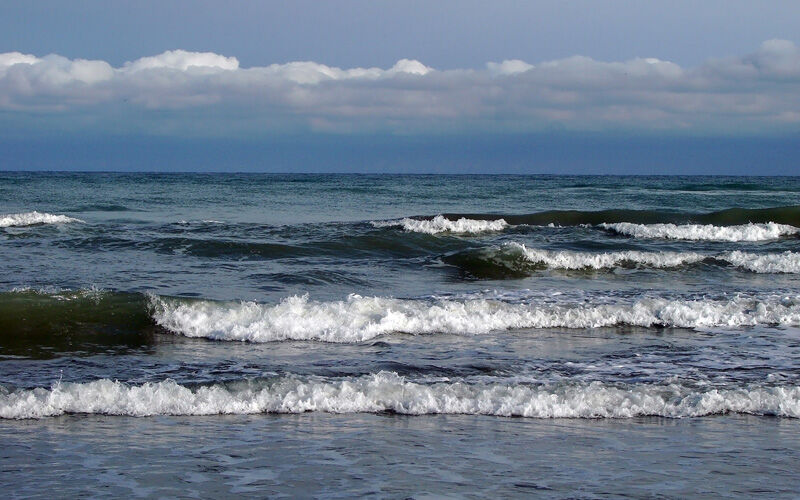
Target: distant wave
(34, 218)
(707, 232)
(441, 224)
(359, 318)
(789, 215)
(517, 260)
(390, 392)
(350, 245)
(101, 207)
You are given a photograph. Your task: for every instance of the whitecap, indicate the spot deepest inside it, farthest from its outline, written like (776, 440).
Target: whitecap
(785, 262)
(360, 318)
(441, 224)
(388, 391)
(34, 218)
(566, 259)
(703, 232)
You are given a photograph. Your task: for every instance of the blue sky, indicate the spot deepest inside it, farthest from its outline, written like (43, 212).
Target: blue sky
(603, 86)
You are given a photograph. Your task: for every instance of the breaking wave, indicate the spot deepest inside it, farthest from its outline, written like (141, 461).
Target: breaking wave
(441, 224)
(734, 224)
(707, 232)
(786, 262)
(64, 321)
(517, 260)
(359, 318)
(729, 217)
(34, 218)
(390, 392)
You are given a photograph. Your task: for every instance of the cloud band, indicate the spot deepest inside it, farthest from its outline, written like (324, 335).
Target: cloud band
(758, 93)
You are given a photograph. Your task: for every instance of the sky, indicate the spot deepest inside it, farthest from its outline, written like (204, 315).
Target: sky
(602, 86)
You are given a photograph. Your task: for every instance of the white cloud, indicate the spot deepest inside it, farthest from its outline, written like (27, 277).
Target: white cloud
(754, 93)
(52, 72)
(508, 67)
(12, 58)
(183, 61)
(411, 67)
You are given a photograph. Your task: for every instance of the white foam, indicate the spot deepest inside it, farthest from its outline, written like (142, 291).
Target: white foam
(362, 318)
(786, 262)
(707, 232)
(32, 218)
(387, 391)
(441, 224)
(565, 259)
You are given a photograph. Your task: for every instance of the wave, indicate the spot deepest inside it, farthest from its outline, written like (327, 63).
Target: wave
(347, 245)
(786, 262)
(441, 224)
(789, 215)
(725, 186)
(516, 260)
(358, 319)
(102, 207)
(44, 324)
(34, 218)
(707, 232)
(390, 392)
(565, 259)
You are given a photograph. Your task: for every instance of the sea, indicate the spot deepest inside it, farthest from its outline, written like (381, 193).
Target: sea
(399, 336)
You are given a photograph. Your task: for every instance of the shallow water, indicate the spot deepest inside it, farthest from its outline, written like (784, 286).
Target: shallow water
(335, 336)
(394, 456)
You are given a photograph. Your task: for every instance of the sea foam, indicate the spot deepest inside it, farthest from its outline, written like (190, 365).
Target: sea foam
(707, 232)
(785, 262)
(34, 218)
(441, 224)
(359, 318)
(565, 259)
(388, 391)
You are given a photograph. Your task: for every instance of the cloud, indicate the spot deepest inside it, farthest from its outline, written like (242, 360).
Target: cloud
(410, 66)
(508, 67)
(184, 61)
(192, 92)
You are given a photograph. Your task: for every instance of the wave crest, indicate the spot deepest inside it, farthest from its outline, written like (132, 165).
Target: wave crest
(728, 217)
(362, 318)
(34, 218)
(703, 232)
(518, 260)
(387, 391)
(786, 262)
(441, 224)
(565, 259)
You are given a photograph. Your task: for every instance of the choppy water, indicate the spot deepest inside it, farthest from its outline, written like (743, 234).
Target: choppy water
(350, 335)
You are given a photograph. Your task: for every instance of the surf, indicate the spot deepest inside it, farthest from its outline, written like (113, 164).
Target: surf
(34, 219)
(517, 260)
(389, 392)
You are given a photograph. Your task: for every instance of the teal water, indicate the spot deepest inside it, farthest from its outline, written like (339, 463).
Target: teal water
(646, 329)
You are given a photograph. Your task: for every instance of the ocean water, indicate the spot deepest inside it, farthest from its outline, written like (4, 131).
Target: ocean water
(199, 335)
